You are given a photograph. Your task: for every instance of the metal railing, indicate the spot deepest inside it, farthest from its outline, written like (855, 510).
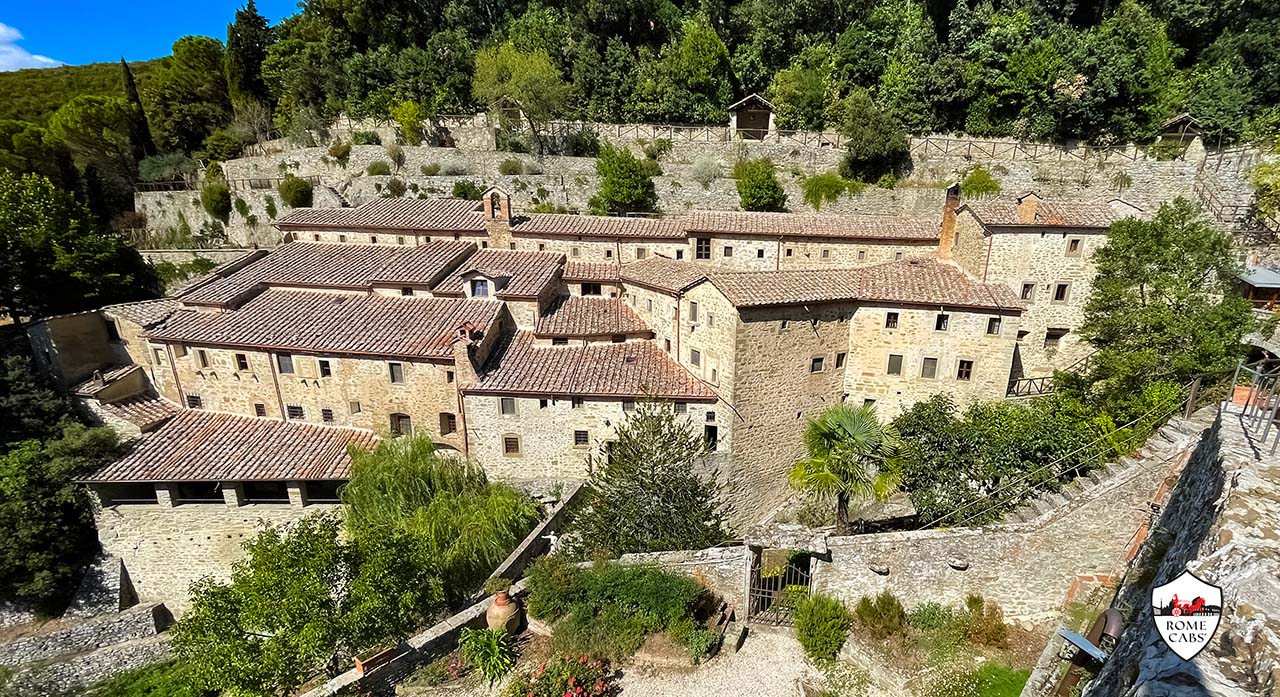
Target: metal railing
(1259, 405)
(242, 184)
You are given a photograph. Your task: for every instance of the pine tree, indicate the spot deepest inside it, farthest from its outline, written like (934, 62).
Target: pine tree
(143, 144)
(247, 41)
(651, 495)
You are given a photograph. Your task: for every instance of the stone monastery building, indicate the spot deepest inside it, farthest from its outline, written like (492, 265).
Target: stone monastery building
(522, 341)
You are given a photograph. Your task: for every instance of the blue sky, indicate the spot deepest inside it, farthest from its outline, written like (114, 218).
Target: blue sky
(74, 32)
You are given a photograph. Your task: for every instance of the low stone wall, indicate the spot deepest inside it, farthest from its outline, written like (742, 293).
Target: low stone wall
(537, 542)
(721, 569)
(1026, 567)
(70, 676)
(183, 256)
(77, 637)
(13, 614)
(1221, 524)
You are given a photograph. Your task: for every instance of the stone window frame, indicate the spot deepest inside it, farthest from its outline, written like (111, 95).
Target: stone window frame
(589, 289)
(324, 367)
(342, 238)
(448, 423)
(642, 253)
(157, 355)
(760, 253)
(400, 240)
(680, 407)
(648, 304)
(841, 357)
(826, 253)
(202, 359)
(242, 362)
(693, 310)
(1066, 293)
(295, 412)
(259, 410)
(581, 438)
(608, 253)
(284, 364)
(398, 422)
(559, 341)
(817, 363)
(373, 239)
(194, 401)
(1057, 340)
(924, 363)
(353, 407)
(695, 357)
(392, 366)
(1028, 286)
(868, 402)
(1078, 242)
(960, 365)
(326, 415)
(862, 255)
(789, 252)
(888, 367)
(576, 403)
(897, 256)
(406, 291)
(728, 251)
(502, 406)
(999, 325)
(892, 320)
(942, 322)
(575, 252)
(508, 441)
(702, 248)
(628, 405)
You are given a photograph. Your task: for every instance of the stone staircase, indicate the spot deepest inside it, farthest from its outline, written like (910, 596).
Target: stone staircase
(1164, 444)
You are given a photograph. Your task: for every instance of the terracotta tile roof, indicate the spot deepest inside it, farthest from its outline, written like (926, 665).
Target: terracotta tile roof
(376, 325)
(885, 227)
(220, 271)
(91, 387)
(142, 411)
(144, 312)
(528, 273)
(598, 271)
(663, 273)
(627, 370)
(578, 316)
(446, 215)
(596, 226)
(922, 281)
(310, 264)
(1080, 214)
(202, 446)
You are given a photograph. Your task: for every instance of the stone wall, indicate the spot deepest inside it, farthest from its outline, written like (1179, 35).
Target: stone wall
(1220, 524)
(67, 637)
(169, 212)
(74, 673)
(1026, 567)
(721, 569)
(14, 614)
(185, 256)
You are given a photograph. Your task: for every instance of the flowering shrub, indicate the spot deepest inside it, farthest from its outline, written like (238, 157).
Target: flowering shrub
(563, 677)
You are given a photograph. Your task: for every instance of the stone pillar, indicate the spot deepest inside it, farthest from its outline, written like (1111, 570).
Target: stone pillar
(233, 494)
(166, 494)
(297, 499)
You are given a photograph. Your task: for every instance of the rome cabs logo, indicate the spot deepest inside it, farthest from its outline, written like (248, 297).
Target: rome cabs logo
(1186, 611)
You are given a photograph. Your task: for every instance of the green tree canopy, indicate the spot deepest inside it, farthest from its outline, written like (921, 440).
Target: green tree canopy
(97, 131)
(850, 456)
(530, 79)
(188, 94)
(758, 186)
(1164, 304)
(655, 492)
(625, 184)
(248, 39)
(803, 91)
(876, 143)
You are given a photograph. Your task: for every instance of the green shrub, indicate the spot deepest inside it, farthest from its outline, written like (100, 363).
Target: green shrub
(547, 207)
(396, 188)
(929, 616)
(554, 585)
(242, 208)
(467, 189)
(705, 171)
(168, 679)
(269, 202)
(657, 149)
(295, 192)
(979, 182)
(251, 220)
(213, 171)
(695, 637)
(650, 168)
(625, 187)
(491, 651)
(431, 674)
(366, 138)
(758, 186)
(510, 167)
(166, 167)
(453, 168)
(223, 144)
(822, 625)
(888, 180)
(216, 199)
(823, 188)
(580, 677)
(986, 625)
(610, 634)
(584, 142)
(341, 152)
(882, 615)
(430, 169)
(1166, 149)
(408, 116)
(378, 168)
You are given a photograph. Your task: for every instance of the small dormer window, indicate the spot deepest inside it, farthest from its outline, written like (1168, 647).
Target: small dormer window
(479, 288)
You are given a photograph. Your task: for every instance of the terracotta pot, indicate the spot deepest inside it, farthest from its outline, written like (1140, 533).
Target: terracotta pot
(503, 613)
(1240, 394)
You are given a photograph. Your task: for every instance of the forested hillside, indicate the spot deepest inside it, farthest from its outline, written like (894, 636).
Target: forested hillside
(33, 95)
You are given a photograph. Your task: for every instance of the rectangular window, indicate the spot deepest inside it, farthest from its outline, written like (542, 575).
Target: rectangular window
(693, 311)
(695, 358)
(964, 371)
(711, 436)
(507, 406)
(862, 255)
(126, 494)
(641, 253)
(711, 320)
(891, 320)
(194, 401)
(400, 241)
(259, 409)
(353, 407)
(396, 372)
(895, 364)
(157, 355)
(511, 446)
(666, 345)
(265, 492)
(1073, 246)
(202, 357)
(295, 412)
(759, 253)
(326, 368)
(1053, 337)
(868, 402)
(479, 288)
(1061, 292)
(1028, 291)
(591, 289)
(401, 424)
(816, 364)
(575, 252)
(702, 248)
(284, 363)
(628, 405)
(448, 423)
(321, 492)
(840, 359)
(897, 256)
(559, 341)
(200, 492)
(406, 291)
(242, 362)
(679, 254)
(373, 239)
(681, 408)
(576, 403)
(941, 323)
(608, 254)
(542, 403)
(648, 304)
(929, 368)
(581, 438)
(448, 377)
(826, 254)
(326, 415)
(728, 251)
(993, 325)
(783, 325)
(342, 238)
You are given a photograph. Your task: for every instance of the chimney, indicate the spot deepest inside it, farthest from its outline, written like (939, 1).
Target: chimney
(947, 236)
(1028, 204)
(463, 365)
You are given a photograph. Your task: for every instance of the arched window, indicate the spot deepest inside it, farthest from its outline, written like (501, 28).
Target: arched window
(495, 204)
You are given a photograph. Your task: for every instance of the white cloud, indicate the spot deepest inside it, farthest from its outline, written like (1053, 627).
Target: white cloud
(14, 57)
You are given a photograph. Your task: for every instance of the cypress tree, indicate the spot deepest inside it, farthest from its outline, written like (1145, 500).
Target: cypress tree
(247, 41)
(143, 145)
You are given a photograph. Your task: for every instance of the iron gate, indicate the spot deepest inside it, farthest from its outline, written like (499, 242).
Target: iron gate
(775, 589)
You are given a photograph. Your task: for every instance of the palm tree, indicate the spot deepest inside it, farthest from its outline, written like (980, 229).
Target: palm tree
(851, 456)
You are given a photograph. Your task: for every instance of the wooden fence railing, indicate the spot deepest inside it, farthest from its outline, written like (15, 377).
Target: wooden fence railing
(244, 184)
